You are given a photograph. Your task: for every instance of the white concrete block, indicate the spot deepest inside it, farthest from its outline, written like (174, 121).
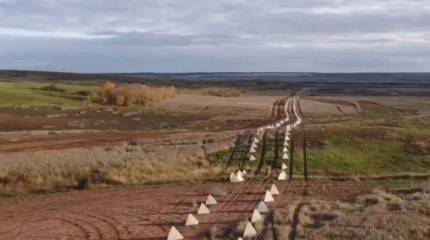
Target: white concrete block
(268, 197)
(262, 208)
(203, 209)
(282, 176)
(274, 190)
(191, 220)
(249, 231)
(256, 216)
(210, 200)
(174, 234)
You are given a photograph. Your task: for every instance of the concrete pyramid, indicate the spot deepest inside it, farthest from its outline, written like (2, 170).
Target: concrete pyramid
(244, 172)
(239, 238)
(249, 231)
(233, 178)
(203, 209)
(274, 190)
(268, 197)
(256, 216)
(239, 173)
(282, 176)
(252, 158)
(285, 149)
(285, 156)
(262, 208)
(284, 166)
(240, 178)
(211, 200)
(256, 140)
(174, 234)
(191, 220)
(278, 125)
(252, 150)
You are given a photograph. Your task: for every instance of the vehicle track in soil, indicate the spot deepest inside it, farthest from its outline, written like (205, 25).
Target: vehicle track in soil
(145, 213)
(279, 111)
(148, 212)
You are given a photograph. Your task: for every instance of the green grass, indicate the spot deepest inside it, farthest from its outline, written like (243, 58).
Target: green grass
(29, 94)
(347, 154)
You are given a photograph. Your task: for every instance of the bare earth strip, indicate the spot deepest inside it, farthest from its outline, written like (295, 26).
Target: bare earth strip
(145, 212)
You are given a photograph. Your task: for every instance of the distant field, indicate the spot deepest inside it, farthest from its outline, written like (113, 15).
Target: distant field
(351, 129)
(31, 94)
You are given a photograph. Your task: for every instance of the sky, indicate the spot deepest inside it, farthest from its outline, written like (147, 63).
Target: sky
(215, 35)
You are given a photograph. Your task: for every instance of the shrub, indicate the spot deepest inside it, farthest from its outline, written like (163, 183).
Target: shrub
(130, 94)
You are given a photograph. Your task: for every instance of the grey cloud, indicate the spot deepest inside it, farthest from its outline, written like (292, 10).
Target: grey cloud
(223, 35)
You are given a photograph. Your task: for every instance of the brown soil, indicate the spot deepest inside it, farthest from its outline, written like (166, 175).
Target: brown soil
(147, 212)
(317, 210)
(74, 141)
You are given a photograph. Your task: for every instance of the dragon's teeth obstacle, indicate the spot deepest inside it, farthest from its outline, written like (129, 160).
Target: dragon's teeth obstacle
(282, 176)
(249, 231)
(174, 234)
(274, 190)
(262, 208)
(191, 220)
(284, 166)
(268, 197)
(256, 216)
(203, 209)
(210, 200)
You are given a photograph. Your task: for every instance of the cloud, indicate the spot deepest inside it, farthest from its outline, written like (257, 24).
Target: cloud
(222, 35)
(50, 34)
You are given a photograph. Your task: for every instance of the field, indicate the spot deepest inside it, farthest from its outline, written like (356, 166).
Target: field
(99, 170)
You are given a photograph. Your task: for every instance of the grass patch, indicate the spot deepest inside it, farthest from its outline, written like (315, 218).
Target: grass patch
(34, 94)
(364, 151)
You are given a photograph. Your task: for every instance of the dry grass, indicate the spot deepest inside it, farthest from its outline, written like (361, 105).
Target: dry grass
(80, 168)
(213, 91)
(130, 94)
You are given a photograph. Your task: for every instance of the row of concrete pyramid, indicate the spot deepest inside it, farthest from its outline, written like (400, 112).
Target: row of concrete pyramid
(257, 215)
(290, 101)
(191, 220)
(262, 208)
(239, 176)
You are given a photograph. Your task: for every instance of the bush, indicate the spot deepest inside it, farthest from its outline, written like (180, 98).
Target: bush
(130, 94)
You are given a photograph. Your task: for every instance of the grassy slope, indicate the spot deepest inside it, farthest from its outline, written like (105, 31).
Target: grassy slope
(29, 94)
(364, 158)
(381, 142)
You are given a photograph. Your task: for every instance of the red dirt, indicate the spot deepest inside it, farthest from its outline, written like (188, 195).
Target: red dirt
(146, 212)
(75, 141)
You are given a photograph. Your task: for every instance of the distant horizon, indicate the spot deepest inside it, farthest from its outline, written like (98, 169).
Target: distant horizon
(206, 72)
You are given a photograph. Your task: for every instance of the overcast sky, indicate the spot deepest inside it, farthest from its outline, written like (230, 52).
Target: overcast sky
(215, 35)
